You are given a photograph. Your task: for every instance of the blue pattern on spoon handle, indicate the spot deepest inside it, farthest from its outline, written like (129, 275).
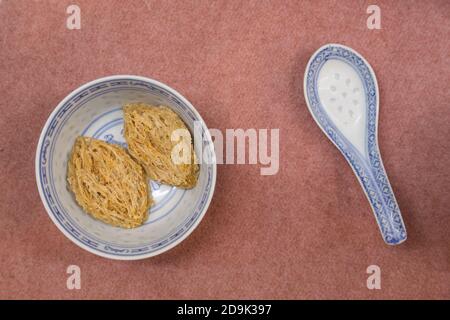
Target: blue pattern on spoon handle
(373, 178)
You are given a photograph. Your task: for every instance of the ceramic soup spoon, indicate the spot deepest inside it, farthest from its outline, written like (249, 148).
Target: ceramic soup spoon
(341, 92)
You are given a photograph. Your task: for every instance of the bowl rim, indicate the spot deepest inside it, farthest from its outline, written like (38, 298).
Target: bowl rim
(50, 212)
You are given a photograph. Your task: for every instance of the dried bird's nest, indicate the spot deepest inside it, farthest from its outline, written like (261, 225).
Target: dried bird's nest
(108, 183)
(148, 132)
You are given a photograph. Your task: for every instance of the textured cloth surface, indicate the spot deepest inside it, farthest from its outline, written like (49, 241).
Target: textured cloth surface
(306, 232)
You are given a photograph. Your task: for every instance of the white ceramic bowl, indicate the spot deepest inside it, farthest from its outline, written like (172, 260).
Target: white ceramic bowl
(94, 110)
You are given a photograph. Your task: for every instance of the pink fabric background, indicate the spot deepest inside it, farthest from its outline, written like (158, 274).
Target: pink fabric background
(307, 232)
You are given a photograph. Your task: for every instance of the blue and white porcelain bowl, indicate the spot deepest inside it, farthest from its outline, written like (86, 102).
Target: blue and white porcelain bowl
(94, 110)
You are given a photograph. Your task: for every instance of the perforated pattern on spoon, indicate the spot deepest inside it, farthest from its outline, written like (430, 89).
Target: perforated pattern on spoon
(341, 93)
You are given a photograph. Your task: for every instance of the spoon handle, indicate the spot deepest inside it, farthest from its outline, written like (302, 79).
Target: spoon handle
(375, 182)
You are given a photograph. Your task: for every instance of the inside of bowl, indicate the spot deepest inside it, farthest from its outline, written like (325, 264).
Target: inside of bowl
(98, 114)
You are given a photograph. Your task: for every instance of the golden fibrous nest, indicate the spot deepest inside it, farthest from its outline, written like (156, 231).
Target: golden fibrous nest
(108, 183)
(148, 132)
